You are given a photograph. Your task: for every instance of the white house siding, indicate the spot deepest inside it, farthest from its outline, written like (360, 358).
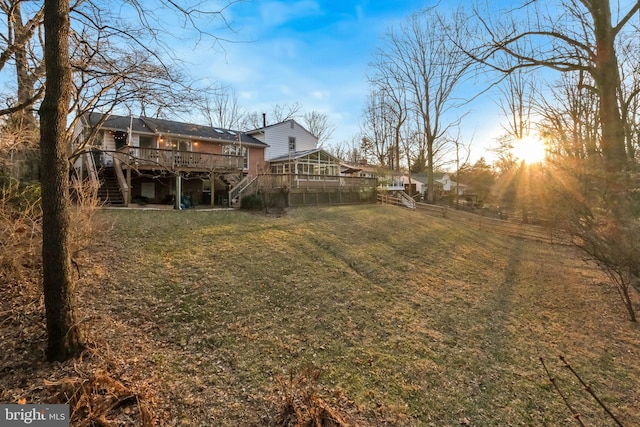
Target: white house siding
(421, 187)
(277, 139)
(445, 181)
(108, 145)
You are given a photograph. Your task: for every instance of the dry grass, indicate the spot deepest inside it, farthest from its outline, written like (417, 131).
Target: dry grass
(209, 317)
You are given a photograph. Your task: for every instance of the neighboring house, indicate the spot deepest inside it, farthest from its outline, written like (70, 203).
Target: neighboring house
(414, 184)
(284, 138)
(442, 181)
(449, 186)
(361, 169)
(164, 161)
(388, 180)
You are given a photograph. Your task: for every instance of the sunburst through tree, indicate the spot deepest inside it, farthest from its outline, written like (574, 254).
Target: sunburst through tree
(529, 149)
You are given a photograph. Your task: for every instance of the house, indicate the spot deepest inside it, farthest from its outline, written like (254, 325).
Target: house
(414, 184)
(152, 160)
(164, 161)
(388, 180)
(442, 182)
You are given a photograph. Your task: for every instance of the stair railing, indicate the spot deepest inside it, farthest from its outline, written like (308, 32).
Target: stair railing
(407, 200)
(92, 170)
(249, 183)
(234, 192)
(122, 181)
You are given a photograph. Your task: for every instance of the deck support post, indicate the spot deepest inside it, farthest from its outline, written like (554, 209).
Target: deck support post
(128, 186)
(178, 190)
(213, 189)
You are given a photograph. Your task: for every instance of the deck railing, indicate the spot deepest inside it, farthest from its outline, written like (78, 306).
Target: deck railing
(303, 181)
(172, 159)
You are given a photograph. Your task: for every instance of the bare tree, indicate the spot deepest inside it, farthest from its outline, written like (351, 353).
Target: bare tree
(283, 112)
(568, 36)
(21, 46)
(385, 79)
(64, 339)
(376, 131)
(569, 118)
(425, 54)
(348, 151)
(628, 48)
(516, 105)
(319, 125)
(589, 121)
(19, 146)
(221, 109)
(278, 113)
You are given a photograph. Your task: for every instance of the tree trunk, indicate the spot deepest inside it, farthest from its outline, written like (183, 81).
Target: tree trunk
(607, 79)
(24, 79)
(431, 196)
(64, 338)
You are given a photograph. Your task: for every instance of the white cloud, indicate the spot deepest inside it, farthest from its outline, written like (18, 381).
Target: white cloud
(320, 94)
(276, 13)
(286, 90)
(247, 95)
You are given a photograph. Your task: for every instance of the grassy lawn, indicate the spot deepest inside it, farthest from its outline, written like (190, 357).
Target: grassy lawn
(409, 319)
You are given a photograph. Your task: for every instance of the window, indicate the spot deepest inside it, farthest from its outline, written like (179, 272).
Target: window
(179, 145)
(236, 150)
(292, 143)
(147, 142)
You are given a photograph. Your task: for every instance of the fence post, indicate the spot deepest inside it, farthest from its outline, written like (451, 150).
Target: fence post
(444, 212)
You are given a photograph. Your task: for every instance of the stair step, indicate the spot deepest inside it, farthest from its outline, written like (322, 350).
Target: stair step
(109, 191)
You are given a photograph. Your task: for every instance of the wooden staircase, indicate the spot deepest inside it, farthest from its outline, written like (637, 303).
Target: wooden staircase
(109, 191)
(231, 180)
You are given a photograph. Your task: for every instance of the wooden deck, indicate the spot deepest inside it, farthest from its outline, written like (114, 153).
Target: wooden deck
(158, 159)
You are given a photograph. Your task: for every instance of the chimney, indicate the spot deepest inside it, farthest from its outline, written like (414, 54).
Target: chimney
(264, 120)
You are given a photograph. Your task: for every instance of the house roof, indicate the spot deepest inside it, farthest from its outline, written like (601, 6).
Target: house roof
(295, 155)
(170, 128)
(261, 130)
(115, 122)
(349, 167)
(439, 175)
(420, 177)
(424, 178)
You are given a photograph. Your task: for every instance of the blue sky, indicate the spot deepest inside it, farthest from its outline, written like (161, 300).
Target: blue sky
(314, 52)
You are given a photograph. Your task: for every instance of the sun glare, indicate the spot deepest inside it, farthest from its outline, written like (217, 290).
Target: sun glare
(529, 149)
